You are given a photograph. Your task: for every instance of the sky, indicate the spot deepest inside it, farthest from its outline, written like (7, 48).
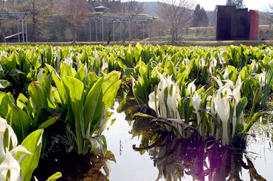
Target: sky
(210, 4)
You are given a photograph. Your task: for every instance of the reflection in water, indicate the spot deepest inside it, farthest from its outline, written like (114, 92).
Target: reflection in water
(176, 158)
(120, 147)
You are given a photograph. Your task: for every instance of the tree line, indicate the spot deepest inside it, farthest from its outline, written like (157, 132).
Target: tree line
(64, 20)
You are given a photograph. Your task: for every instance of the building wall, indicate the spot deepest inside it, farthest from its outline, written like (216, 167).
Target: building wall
(237, 24)
(254, 25)
(223, 31)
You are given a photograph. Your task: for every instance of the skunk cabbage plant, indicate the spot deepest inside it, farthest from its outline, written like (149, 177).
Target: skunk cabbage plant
(10, 166)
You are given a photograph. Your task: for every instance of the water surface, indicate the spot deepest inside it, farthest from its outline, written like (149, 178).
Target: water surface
(131, 165)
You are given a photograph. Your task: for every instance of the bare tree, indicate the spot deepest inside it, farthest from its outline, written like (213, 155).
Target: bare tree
(75, 12)
(6, 25)
(46, 34)
(126, 8)
(131, 7)
(267, 17)
(175, 14)
(237, 3)
(212, 15)
(39, 9)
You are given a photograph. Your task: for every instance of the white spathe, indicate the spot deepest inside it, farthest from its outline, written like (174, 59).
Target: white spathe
(196, 100)
(223, 110)
(191, 87)
(11, 165)
(172, 98)
(7, 158)
(262, 79)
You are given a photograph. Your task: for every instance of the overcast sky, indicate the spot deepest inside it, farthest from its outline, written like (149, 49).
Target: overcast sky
(210, 4)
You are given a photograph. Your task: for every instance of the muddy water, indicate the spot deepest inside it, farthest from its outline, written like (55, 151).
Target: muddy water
(131, 165)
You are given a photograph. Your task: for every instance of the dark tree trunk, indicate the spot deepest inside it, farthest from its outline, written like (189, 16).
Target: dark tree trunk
(2, 34)
(34, 25)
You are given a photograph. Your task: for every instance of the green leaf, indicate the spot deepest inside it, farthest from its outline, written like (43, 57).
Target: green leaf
(143, 115)
(90, 80)
(49, 122)
(129, 55)
(4, 84)
(58, 83)
(241, 106)
(110, 87)
(122, 103)
(67, 70)
(239, 128)
(98, 145)
(37, 94)
(10, 62)
(84, 57)
(33, 143)
(137, 51)
(55, 176)
(90, 105)
(21, 101)
(74, 89)
(124, 63)
(80, 73)
(15, 72)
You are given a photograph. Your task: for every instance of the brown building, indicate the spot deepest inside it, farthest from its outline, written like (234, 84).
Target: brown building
(237, 24)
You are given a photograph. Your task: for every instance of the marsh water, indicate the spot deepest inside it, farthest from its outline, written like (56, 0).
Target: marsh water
(255, 161)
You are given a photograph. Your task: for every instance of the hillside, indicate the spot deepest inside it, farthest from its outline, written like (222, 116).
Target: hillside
(150, 8)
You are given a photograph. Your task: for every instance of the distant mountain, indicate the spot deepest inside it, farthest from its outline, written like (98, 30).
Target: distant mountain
(149, 8)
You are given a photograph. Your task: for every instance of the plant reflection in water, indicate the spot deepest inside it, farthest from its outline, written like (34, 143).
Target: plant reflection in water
(176, 158)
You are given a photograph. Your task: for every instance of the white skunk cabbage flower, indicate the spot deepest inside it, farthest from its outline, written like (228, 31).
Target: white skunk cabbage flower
(254, 66)
(213, 61)
(223, 110)
(104, 65)
(151, 102)
(8, 163)
(196, 100)
(201, 63)
(238, 81)
(191, 87)
(172, 99)
(262, 79)
(218, 80)
(212, 65)
(229, 84)
(226, 73)
(186, 61)
(221, 58)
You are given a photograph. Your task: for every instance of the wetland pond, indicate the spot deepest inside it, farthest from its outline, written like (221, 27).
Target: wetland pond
(173, 159)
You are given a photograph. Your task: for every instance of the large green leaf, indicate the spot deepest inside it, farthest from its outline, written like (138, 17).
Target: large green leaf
(33, 143)
(58, 83)
(98, 145)
(110, 87)
(37, 94)
(16, 118)
(90, 106)
(74, 89)
(67, 70)
(129, 55)
(10, 62)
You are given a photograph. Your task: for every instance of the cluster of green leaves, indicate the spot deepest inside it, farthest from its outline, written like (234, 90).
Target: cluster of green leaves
(62, 79)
